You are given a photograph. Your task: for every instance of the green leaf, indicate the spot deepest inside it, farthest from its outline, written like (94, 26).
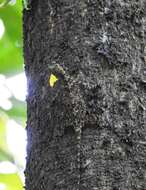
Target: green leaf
(11, 53)
(18, 111)
(3, 119)
(12, 181)
(4, 151)
(6, 156)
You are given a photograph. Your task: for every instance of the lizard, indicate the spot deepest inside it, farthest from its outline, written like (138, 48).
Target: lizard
(79, 108)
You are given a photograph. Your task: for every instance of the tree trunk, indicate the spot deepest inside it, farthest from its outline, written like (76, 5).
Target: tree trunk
(88, 130)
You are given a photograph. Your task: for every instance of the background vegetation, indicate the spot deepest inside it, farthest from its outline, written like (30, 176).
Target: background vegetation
(12, 98)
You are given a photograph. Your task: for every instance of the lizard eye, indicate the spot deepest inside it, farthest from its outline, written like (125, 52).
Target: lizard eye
(52, 80)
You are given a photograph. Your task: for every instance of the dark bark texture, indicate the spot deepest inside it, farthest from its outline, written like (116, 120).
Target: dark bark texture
(88, 132)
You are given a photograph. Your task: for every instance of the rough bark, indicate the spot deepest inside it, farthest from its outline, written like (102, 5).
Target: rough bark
(100, 47)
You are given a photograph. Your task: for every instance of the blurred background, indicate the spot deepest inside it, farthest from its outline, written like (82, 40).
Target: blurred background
(12, 98)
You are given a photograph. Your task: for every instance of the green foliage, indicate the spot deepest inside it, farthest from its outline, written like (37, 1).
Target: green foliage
(11, 42)
(18, 110)
(4, 152)
(11, 60)
(11, 181)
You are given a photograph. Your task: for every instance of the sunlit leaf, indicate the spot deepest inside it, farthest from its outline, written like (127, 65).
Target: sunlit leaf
(52, 80)
(11, 181)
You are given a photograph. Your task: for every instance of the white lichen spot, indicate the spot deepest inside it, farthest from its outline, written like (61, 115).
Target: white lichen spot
(107, 24)
(84, 12)
(83, 8)
(133, 68)
(106, 10)
(143, 74)
(119, 125)
(104, 37)
(142, 142)
(145, 50)
(88, 161)
(52, 27)
(120, 150)
(60, 182)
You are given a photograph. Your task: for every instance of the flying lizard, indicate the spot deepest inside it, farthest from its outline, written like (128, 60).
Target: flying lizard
(78, 108)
